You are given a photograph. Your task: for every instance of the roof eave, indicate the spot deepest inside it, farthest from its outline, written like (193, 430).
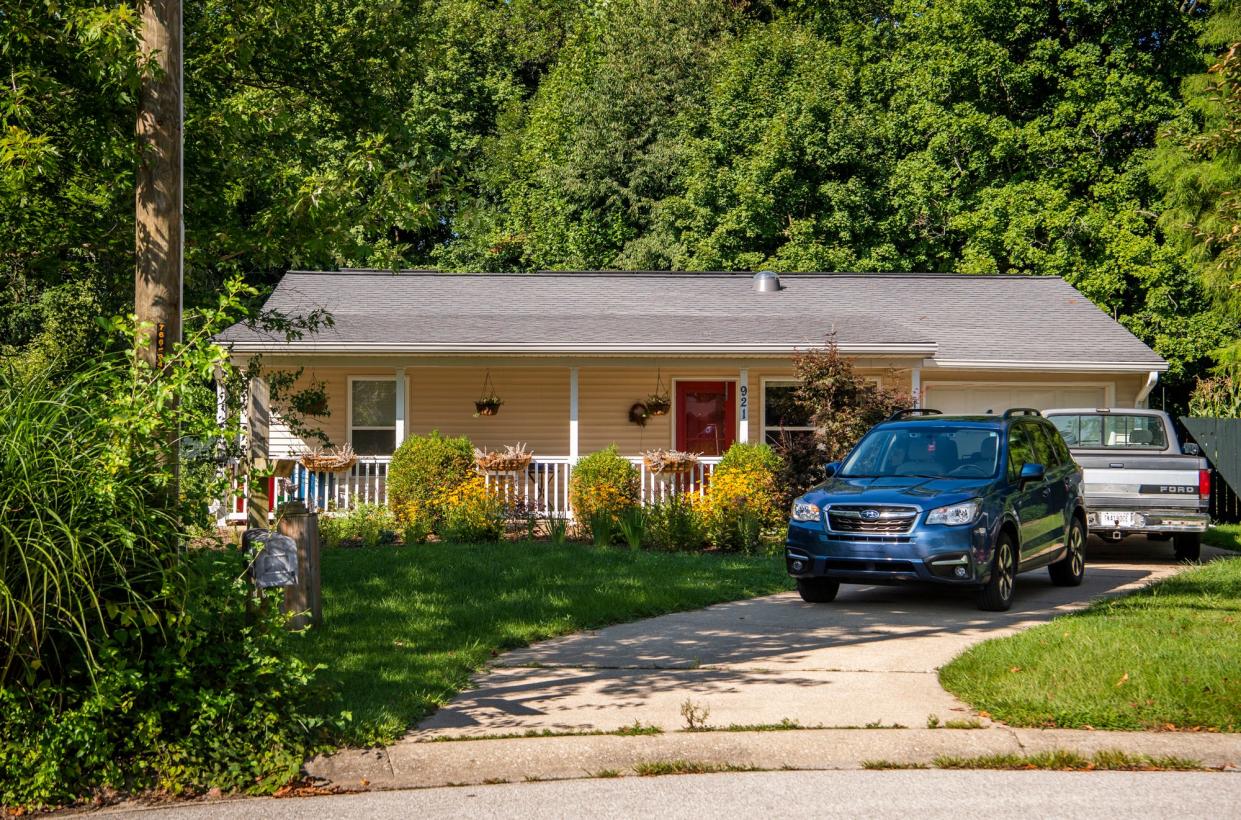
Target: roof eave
(1053, 365)
(551, 349)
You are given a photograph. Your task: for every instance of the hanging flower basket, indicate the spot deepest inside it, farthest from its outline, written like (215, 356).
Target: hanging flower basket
(488, 403)
(488, 406)
(513, 459)
(658, 405)
(659, 402)
(332, 460)
(666, 462)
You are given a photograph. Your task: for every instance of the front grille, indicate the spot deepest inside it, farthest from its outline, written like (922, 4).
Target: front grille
(863, 565)
(876, 519)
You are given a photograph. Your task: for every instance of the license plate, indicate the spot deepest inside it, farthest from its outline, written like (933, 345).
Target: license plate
(1115, 519)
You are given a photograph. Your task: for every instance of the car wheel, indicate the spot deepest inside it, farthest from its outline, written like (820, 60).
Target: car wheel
(997, 595)
(817, 590)
(1071, 569)
(1188, 546)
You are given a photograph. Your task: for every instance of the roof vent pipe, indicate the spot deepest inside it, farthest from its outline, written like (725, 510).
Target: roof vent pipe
(766, 281)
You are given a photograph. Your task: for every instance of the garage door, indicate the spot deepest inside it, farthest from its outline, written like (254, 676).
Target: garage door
(985, 398)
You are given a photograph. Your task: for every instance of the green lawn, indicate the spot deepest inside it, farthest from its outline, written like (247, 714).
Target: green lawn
(1169, 655)
(405, 626)
(1224, 536)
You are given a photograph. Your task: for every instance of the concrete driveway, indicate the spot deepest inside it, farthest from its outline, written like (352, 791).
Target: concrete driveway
(870, 658)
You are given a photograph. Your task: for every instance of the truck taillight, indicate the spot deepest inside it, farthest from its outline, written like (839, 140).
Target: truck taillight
(1204, 483)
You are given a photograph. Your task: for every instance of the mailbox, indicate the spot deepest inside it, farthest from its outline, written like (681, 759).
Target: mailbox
(273, 558)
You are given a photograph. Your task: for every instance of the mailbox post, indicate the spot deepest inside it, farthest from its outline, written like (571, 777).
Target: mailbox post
(289, 559)
(303, 597)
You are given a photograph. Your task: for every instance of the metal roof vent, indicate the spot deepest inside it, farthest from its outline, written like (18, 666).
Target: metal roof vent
(766, 281)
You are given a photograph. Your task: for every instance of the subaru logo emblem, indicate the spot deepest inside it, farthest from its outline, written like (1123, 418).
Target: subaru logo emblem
(870, 515)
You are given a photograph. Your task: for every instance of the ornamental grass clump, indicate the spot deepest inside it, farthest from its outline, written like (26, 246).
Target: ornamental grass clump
(743, 499)
(604, 484)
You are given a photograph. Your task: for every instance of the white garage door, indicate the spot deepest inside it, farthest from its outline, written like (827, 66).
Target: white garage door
(996, 398)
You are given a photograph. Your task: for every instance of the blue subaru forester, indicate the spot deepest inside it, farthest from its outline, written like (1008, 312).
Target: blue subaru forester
(968, 501)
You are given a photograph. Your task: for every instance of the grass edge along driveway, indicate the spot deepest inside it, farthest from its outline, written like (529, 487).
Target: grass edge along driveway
(405, 627)
(1165, 657)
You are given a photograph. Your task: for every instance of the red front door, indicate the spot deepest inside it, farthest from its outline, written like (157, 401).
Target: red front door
(706, 417)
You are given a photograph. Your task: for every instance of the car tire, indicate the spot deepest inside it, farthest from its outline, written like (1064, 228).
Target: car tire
(1188, 546)
(997, 594)
(817, 590)
(1071, 569)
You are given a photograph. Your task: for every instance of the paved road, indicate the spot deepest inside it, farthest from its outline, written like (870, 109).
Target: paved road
(897, 794)
(869, 658)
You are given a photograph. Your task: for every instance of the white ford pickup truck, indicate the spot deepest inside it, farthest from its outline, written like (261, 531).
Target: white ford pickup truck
(1137, 477)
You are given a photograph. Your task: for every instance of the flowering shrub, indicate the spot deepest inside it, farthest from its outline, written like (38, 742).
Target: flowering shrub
(743, 498)
(603, 483)
(471, 513)
(422, 469)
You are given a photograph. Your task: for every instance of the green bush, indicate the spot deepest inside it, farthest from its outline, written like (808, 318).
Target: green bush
(213, 697)
(674, 524)
(423, 470)
(603, 483)
(366, 525)
(750, 456)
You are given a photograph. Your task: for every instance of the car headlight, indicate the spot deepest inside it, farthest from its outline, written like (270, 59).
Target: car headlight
(805, 511)
(963, 513)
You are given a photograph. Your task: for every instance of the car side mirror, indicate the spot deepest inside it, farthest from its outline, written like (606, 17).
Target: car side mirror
(1031, 473)
(831, 469)
(1191, 449)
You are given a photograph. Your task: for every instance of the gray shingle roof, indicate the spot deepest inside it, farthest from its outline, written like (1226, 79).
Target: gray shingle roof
(1007, 320)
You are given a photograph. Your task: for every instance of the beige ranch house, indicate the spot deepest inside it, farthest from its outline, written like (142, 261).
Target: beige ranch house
(571, 354)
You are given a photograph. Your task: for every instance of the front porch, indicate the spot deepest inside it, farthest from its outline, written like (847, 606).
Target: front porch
(542, 490)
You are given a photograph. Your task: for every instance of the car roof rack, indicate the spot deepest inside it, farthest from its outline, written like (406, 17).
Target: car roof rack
(1021, 411)
(913, 411)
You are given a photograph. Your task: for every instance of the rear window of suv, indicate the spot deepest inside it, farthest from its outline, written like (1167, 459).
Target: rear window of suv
(1112, 431)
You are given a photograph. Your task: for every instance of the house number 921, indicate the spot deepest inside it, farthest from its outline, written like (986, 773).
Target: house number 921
(744, 394)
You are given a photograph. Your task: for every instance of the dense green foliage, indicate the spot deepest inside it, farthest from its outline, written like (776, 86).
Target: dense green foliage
(126, 661)
(449, 607)
(366, 525)
(948, 135)
(210, 697)
(1165, 656)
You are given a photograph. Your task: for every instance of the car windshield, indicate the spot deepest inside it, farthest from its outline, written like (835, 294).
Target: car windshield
(926, 451)
(1112, 431)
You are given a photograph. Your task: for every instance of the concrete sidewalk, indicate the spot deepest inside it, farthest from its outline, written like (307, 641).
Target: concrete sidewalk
(872, 657)
(421, 765)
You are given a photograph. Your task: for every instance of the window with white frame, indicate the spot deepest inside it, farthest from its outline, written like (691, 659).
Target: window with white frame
(372, 415)
(783, 415)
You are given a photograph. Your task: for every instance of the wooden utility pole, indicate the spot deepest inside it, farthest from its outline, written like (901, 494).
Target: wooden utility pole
(159, 233)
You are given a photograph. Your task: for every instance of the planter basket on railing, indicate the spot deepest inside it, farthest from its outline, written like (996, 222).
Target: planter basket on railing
(512, 459)
(669, 462)
(332, 460)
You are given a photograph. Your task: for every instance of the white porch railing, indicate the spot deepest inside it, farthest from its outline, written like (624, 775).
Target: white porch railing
(542, 489)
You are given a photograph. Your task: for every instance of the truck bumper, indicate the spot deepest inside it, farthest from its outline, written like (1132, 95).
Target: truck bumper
(1152, 521)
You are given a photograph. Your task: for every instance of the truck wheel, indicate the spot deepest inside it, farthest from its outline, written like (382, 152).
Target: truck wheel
(1071, 569)
(997, 595)
(1188, 546)
(817, 590)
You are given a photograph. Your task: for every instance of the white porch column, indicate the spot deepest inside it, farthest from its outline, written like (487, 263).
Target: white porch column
(743, 409)
(915, 386)
(400, 406)
(573, 451)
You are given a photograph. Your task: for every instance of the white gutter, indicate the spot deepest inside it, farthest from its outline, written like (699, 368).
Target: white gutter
(1151, 379)
(1080, 367)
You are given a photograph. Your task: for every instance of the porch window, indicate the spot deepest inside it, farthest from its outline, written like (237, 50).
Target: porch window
(782, 415)
(372, 415)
